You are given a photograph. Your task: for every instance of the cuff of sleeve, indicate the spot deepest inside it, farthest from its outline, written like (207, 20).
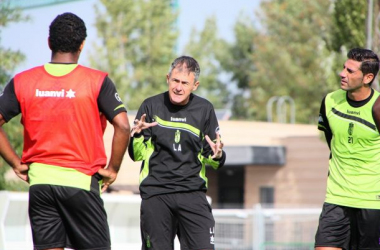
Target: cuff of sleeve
(222, 159)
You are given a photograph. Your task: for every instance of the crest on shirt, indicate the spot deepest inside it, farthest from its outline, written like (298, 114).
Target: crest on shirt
(350, 128)
(177, 136)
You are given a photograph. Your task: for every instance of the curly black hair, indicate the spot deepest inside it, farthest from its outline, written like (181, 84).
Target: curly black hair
(66, 33)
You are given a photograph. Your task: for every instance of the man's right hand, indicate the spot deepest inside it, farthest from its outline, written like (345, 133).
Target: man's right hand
(140, 125)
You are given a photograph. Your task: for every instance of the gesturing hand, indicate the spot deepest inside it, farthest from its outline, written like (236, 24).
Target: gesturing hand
(139, 125)
(217, 148)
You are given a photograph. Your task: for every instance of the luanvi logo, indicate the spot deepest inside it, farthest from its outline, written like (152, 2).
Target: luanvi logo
(55, 93)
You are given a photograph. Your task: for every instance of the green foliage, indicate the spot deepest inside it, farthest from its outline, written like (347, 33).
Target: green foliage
(237, 59)
(286, 56)
(14, 131)
(206, 48)
(291, 58)
(9, 61)
(138, 46)
(349, 24)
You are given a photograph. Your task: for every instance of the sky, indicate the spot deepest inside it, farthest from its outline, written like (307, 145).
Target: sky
(31, 37)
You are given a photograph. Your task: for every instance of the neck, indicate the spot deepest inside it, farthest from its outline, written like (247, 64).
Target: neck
(360, 94)
(60, 57)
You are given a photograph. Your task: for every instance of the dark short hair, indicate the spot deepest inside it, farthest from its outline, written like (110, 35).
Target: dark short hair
(66, 33)
(369, 60)
(191, 64)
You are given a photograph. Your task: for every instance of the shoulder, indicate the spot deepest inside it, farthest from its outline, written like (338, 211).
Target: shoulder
(91, 70)
(202, 102)
(30, 71)
(154, 99)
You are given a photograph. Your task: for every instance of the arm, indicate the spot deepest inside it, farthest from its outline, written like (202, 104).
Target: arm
(10, 156)
(113, 108)
(213, 154)
(141, 134)
(323, 123)
(9, 108)
(120, 143)
(376, 113)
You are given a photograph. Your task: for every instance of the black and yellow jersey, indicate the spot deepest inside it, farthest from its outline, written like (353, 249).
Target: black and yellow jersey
(175, 152)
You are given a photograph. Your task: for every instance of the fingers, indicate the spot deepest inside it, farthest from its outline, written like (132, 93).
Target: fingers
(152, 124)
(108, 178)
(217, 148)
(105, 187)
(209, 141)
(217, 138)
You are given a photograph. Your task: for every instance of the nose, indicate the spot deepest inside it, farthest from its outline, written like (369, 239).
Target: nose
(178, 87)
(343, 73)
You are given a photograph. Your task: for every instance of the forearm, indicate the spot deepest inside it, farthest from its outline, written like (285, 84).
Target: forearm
(7, 152)
(120, 143)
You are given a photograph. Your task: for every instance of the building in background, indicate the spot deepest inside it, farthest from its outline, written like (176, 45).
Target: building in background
(268, 163)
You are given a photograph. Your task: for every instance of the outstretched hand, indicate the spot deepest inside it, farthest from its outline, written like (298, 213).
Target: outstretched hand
(140, 125)
(217, 148)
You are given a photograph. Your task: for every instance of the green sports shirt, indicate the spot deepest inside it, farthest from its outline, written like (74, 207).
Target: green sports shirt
(353, 135)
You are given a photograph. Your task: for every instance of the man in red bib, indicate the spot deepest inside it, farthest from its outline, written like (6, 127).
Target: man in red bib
(64, 109)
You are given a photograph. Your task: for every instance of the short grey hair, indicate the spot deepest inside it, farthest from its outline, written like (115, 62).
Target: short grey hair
(191, 65)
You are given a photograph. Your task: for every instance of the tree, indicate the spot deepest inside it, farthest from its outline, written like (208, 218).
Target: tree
(207, 48)
(290, 57)
(138, 44)
(9, 61)
(349, 22)
(237, 59)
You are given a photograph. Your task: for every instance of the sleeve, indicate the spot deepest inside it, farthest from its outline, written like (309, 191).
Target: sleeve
(138, 144)
(109, 101)
(323, 123)
(211, 127)
(9, 105)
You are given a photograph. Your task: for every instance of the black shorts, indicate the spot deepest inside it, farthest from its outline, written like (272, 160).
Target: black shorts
(187, 215)
(68, 217)
(348, 228)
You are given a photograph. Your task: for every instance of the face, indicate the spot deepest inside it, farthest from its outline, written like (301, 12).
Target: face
(352, 78)
(181, 83)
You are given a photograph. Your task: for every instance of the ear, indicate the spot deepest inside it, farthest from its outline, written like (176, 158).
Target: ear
(82, 45)
(49, 43)
(167, 79)
(368, 78)
(196, 84)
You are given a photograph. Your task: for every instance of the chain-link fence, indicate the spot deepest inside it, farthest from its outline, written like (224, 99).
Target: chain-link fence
(265, 228)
